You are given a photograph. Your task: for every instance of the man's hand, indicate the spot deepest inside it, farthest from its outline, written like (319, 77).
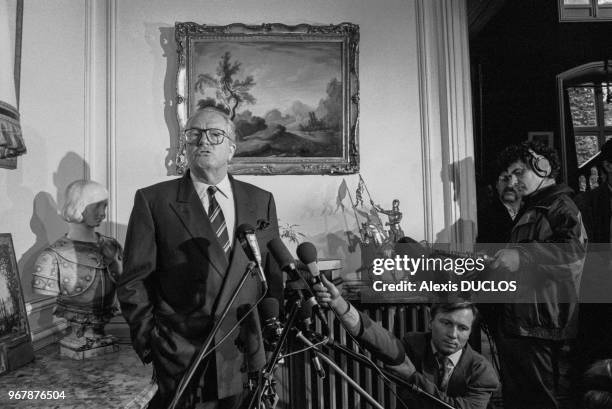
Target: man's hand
(405, 370)
(327, 294)
(507, 259)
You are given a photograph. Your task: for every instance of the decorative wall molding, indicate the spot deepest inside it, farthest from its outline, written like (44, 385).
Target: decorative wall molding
(111, 115)
(446, 123)
(100, 100)
(88, 103)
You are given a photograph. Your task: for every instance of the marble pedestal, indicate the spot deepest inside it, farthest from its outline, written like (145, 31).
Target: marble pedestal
(86, 344)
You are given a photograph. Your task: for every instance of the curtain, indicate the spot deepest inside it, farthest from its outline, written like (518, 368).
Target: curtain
(11, 139)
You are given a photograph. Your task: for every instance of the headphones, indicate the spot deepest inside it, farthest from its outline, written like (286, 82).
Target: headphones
(539, 164)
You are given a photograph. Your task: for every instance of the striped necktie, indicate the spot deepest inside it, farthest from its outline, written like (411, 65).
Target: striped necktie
(217, 220)
(445, 365)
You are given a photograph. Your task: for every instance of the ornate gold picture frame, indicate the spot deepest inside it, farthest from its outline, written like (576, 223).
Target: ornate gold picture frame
(292, 91)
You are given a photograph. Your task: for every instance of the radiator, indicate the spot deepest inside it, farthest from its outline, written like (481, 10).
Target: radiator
(301, 388)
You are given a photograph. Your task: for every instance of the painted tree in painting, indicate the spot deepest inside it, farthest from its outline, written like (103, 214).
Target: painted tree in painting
(230, 92)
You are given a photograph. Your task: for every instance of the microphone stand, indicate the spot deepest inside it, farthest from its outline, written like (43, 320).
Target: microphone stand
(264, 381)
(336, 368)
(395, 378)
(208, 342)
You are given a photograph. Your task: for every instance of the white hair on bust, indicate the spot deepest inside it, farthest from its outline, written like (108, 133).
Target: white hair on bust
(79, 195)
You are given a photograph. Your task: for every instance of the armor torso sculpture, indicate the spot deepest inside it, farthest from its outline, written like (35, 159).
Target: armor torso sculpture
(83, 276)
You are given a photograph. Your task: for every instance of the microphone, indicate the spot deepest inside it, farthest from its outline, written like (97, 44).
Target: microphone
(248, 240)
(249, 340)
(284, 259)
(304, 317)
(272, 329)
(316, 364)
(307, 253)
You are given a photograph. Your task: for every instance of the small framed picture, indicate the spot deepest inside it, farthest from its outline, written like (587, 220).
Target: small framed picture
(544, 137)
(15, 341)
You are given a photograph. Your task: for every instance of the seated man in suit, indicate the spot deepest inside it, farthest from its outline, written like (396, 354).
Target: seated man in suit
(440, 362)
(182, 265)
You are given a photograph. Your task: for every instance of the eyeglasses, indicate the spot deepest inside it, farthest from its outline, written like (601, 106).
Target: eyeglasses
(214, 136)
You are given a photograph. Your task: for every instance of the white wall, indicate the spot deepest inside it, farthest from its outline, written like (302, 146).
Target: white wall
(96, 93)
(57, 119)
(389, 121)
(52, 118)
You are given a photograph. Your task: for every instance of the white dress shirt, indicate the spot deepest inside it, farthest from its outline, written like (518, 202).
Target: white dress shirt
(511, 211)
(225, 198)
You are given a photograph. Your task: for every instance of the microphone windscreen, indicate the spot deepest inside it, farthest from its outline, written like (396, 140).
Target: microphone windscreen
(307, 253)
(243, 229)
(407, 239)
(407, 246)
(306, 311)
(269, 308)
(280, 252)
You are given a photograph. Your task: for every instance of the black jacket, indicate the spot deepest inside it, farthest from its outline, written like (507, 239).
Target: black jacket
(551, 240)
(494, 222)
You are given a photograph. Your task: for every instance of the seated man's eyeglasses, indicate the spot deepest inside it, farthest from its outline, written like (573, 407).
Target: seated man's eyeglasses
(214, 136)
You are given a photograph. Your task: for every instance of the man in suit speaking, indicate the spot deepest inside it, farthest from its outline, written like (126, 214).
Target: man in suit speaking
(182, 265)
(439, 362)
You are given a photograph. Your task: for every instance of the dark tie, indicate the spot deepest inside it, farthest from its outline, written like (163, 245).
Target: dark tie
(217, 220)
(444, 370)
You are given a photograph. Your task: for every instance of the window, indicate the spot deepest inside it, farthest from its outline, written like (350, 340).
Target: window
(585, 120)
(590, 105)
(585, 10)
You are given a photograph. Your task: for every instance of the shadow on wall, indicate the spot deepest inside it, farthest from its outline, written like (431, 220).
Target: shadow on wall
(168, 46)
(46, 223)
(337, 238)
(48, 226)
(462, 229)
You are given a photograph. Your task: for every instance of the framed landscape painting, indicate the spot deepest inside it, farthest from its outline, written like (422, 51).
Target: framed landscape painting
(292, 92)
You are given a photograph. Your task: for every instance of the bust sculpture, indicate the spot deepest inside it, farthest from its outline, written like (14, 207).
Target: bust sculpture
(81, 269)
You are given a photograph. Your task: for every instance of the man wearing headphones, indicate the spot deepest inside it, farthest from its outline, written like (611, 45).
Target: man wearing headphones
(546, 256)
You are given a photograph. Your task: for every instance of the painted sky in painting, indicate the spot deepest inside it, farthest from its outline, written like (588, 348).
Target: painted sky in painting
(283, 71)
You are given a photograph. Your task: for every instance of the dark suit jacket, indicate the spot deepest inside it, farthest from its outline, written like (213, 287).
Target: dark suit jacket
(595, 208)
(176, 280)
(494, 222)
(469, 387)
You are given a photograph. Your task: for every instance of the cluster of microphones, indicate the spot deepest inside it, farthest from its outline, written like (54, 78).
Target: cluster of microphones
(269, 310)
(260, 362)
